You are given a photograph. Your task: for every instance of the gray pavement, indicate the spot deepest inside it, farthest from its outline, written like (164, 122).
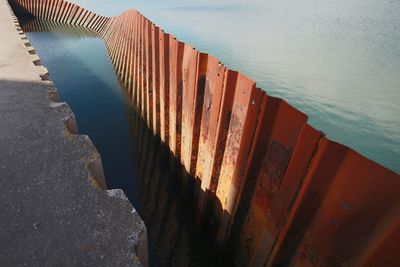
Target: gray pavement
(54, 208)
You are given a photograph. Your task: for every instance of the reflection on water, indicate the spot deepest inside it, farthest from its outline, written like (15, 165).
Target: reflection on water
(67, 30)
(338, 61)
(132, 158)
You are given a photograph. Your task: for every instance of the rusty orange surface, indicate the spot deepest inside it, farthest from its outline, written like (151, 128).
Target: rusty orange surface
(156, 78)
(189, 87)
(149, 75)
(164, 86)
(347, 203)
(242, 127)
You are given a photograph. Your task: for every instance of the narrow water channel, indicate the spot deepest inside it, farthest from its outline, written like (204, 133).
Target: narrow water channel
(133, 159)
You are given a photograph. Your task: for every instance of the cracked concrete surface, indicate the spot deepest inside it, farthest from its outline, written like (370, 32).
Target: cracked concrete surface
(54, 209)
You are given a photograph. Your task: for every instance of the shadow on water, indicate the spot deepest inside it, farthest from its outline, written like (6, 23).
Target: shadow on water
(134, 160)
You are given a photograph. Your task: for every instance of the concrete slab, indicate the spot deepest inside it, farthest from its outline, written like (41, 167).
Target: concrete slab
(54, 209)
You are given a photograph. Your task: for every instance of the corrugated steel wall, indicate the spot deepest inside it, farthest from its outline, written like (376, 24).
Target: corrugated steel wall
(277, 192)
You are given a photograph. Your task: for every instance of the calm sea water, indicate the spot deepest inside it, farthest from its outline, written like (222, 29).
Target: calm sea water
(338, 60)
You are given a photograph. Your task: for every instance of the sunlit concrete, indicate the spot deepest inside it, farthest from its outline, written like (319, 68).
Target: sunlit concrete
(54, 209)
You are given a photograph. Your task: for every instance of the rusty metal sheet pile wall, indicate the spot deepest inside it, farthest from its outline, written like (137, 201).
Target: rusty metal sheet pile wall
(63, 12)
(276, 191)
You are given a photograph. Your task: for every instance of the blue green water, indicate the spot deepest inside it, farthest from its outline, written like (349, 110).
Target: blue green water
(338, 61)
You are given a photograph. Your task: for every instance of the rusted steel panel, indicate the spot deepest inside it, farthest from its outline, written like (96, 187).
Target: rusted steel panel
(303, 152)
(129, 84)
(242, 127)
(94, 21)
(64, 12)
(128, 37)
(218, 131)
(149, 77)
(383, 249)
(137, 62)
(68, 9)
(108, 31)
(45, 6)
(115, 42)
(164, 86)
(77, 15)
(36, 7)
(131, 53)
(173, 57)
(136, 73)
(125, 59)
(81, 17)
(61, 10)
(189, 87)
(135, 59)
(285, 124)
(54, 7)
(156, 78)
(31, 10)
(89, 18)
(71, 15)
(67, 13)
(202, 60)
(72, 12)
(49, 4)
(345, 203)
(31, 7)
(54, 10)
(140, 63)
(108, 34)
(124, 43)
(175, 94)
(140, 68)
(213, 85)
(119, 47)
(102, 24)
(278, 133)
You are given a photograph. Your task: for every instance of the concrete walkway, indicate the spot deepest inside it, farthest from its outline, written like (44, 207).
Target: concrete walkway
(54, 209)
